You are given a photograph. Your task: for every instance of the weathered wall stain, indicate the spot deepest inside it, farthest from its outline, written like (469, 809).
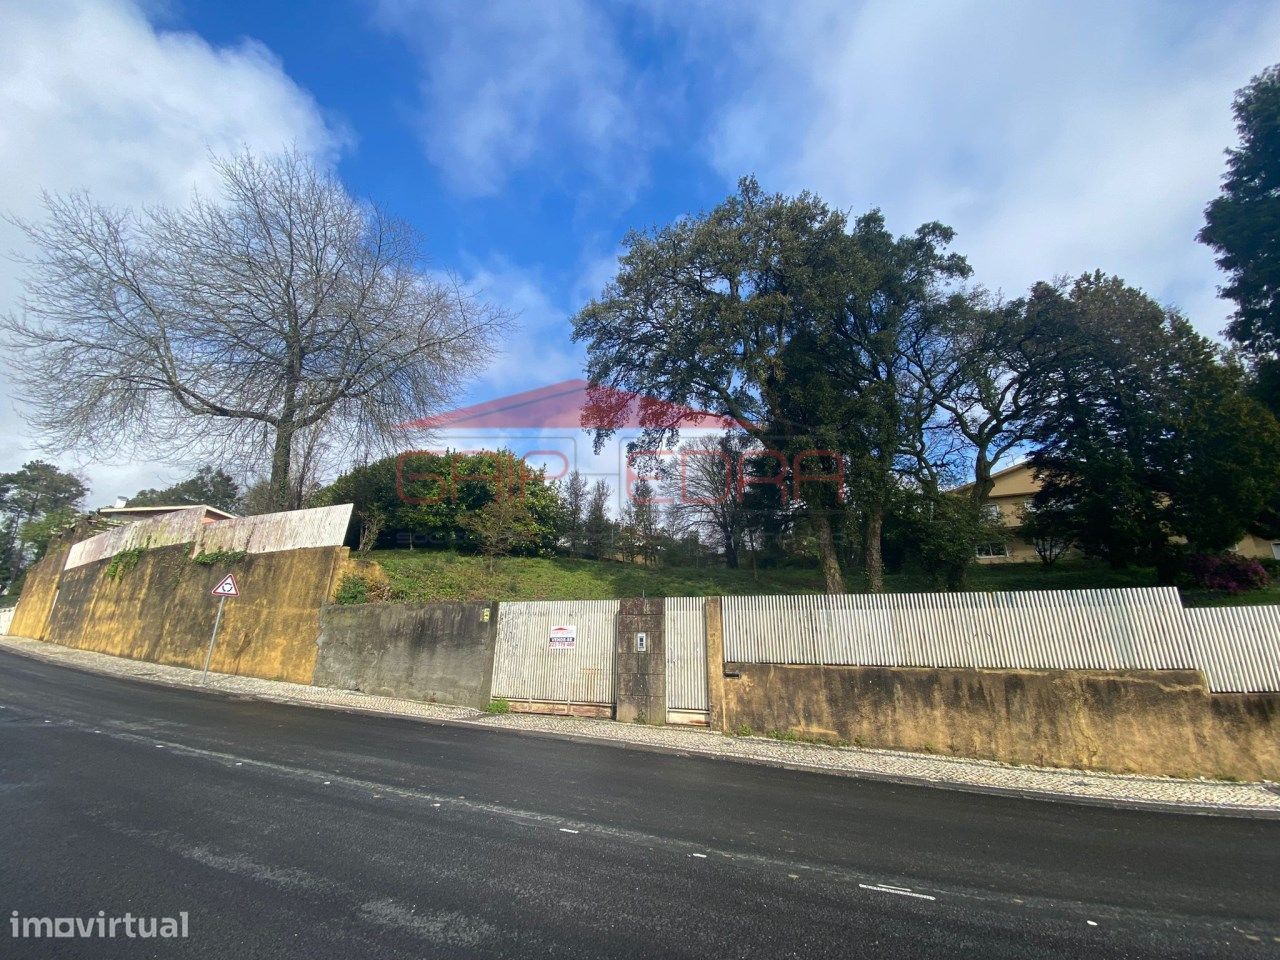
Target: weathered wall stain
(436, 652)
(39, 591)
(1153, 722)
(640, 676)
(160, 609)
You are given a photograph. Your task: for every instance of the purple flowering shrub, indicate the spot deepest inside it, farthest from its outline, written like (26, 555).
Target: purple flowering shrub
(1229, 572)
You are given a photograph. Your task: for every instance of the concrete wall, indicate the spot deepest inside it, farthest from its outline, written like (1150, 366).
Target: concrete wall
(160, 609)
(39, 590)
(438, 651)
(1153, 722)
(641, 675)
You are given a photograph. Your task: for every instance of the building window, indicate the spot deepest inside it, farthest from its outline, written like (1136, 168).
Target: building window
(988, 550)
(1275, 550)
(991, 511)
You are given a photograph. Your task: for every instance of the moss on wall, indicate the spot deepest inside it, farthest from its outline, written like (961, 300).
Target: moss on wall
(1151, 722)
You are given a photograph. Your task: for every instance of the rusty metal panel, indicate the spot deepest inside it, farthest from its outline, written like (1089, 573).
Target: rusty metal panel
(527, 667)
(1238, 648)
(273, 532)
(685, 632)
(1049, 629)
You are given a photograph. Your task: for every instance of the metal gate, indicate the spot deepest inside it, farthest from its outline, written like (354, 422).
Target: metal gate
(530, 665)
(685, 629)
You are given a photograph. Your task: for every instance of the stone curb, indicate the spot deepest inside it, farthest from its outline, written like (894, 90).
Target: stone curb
(1197, 797)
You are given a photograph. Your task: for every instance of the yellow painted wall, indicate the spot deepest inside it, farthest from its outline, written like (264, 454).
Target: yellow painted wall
(1151, 722)
(161, 610)
(1256, 547)
(39, 591)
(1016, 481)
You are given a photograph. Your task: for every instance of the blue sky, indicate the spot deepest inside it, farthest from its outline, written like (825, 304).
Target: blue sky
(525, 139)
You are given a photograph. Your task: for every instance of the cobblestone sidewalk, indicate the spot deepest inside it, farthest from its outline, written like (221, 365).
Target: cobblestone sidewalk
(1192, 796)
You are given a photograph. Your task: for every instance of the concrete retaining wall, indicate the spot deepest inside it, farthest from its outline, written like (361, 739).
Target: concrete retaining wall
(39, 589)
(1151, 722)
(436, 652)
(159, 608)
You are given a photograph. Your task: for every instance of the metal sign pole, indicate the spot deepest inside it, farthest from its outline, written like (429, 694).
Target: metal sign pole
(208, 655)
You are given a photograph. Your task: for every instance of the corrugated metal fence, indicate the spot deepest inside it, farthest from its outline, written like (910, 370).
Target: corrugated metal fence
(685, 630)
(181, 526)
(1238, 648)
(273, 532)
(268, 533)
(1107, 629)
(527, 667)
(6, 619)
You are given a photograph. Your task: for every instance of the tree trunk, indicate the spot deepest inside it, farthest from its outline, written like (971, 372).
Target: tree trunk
(982, 482)
(730, 548)
(872, 556)
(831, 576)
(281, 461)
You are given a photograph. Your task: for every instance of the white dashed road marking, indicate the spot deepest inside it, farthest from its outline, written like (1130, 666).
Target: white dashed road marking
(900, 891)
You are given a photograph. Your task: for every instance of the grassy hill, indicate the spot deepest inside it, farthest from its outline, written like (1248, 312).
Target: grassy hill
(419, 576)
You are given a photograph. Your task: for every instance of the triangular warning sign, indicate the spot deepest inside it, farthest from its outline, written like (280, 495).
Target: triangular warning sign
(227, 588)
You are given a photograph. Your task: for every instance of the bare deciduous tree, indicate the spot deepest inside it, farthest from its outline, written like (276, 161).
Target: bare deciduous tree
(703, 487)
(244, 327)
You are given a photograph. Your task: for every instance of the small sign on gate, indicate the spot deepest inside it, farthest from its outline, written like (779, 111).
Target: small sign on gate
(564, 637)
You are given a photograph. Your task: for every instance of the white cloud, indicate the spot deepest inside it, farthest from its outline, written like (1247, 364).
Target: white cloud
(509, 83)
(1055, 138)
(94, 97)
(537, 351)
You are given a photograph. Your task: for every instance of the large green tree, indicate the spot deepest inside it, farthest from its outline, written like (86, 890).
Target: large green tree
(428, 496)
(896, 299)
(211, 486)
(1148, 437)
(35, 502)
(779, 312)
(1242, 225)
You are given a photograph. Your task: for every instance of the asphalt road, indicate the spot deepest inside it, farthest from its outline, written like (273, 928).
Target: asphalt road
(291, 832)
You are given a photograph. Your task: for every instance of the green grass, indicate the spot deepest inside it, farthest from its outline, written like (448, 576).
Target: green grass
(420, 576)
(1216, 598)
